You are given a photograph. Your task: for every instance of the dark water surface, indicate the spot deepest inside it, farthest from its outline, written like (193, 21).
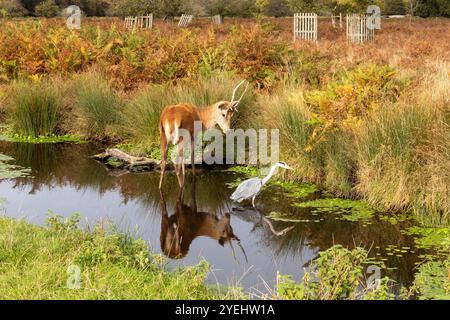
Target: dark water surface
(64, 180)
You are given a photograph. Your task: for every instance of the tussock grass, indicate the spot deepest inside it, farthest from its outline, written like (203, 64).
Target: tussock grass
(34, 109)
(404, 152)
(35, 261)
(96, 104)
(329, 163)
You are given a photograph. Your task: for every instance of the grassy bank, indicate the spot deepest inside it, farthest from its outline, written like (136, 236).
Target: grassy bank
(42, 263)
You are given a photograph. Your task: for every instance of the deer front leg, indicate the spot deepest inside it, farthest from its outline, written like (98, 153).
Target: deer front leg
(164, 149)
(193, 156)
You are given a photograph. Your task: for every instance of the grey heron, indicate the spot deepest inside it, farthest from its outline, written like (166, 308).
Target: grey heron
(250, 188)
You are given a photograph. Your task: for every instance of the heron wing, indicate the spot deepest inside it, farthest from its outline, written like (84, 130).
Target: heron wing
(247, 189)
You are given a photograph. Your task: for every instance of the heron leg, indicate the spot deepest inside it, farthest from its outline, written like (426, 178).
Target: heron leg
(253, 202)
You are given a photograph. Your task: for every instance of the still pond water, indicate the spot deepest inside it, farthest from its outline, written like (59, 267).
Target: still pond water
(65, 180)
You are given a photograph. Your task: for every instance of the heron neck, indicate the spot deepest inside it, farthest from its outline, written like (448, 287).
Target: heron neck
(271, 173)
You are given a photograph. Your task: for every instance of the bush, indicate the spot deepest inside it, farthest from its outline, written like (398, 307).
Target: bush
(34, 109)
(47, 8)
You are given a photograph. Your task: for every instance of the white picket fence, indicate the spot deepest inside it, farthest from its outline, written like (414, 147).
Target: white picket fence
(357, 28)
(217, 19)
(305, 26)
(185, 20)
(143, 22)
(333, 20)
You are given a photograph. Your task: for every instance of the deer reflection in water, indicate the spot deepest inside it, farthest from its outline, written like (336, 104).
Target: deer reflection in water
(179, 230)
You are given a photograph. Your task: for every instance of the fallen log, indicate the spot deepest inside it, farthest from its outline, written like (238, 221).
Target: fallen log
(120, 160)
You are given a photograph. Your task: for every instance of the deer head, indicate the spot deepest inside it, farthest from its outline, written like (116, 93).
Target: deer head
(224, 110)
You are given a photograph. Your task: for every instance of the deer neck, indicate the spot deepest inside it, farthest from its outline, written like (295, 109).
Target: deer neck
(207, 116)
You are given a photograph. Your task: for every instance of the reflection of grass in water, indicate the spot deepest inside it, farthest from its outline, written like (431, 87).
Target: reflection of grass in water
(349, 210)
(9, 171)
(278, 216)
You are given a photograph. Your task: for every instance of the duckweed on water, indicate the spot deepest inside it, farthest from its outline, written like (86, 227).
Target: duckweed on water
(42, 139)
(9, 171)
(349, 210)
(432, 280)
(246, 170)
(431, 238)
(395, 218)
(296, 190)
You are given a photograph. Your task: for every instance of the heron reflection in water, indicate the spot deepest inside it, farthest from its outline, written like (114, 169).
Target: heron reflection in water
(179, 230)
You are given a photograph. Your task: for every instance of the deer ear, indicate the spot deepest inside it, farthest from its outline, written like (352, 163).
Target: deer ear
(222, 105)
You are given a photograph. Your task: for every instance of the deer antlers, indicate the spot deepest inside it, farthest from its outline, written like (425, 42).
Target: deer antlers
(235, 103)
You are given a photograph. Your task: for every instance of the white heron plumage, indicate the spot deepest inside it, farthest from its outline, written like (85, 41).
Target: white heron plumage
(250, 188)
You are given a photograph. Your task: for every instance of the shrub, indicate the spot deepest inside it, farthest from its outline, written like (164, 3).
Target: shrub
(47, 8)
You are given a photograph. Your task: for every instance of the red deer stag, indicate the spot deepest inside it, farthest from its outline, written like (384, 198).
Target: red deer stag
(176, 118)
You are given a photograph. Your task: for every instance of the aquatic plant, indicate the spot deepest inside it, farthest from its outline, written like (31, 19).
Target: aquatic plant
(336, 273)
(10, 171)
(349, 210)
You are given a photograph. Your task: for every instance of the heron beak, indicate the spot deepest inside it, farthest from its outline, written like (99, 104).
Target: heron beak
(289, 168)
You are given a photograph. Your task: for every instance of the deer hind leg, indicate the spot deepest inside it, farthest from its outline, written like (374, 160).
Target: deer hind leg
(164, 150)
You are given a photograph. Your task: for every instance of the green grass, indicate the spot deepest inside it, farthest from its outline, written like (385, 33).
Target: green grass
(37, 263)
(34, 109)
(403, 152)
(97, 106)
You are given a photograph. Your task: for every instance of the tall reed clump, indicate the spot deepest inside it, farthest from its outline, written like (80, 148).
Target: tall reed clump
(96, 105)
(404, 153)
(139, 122)
(34, 108)
(329, 163)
